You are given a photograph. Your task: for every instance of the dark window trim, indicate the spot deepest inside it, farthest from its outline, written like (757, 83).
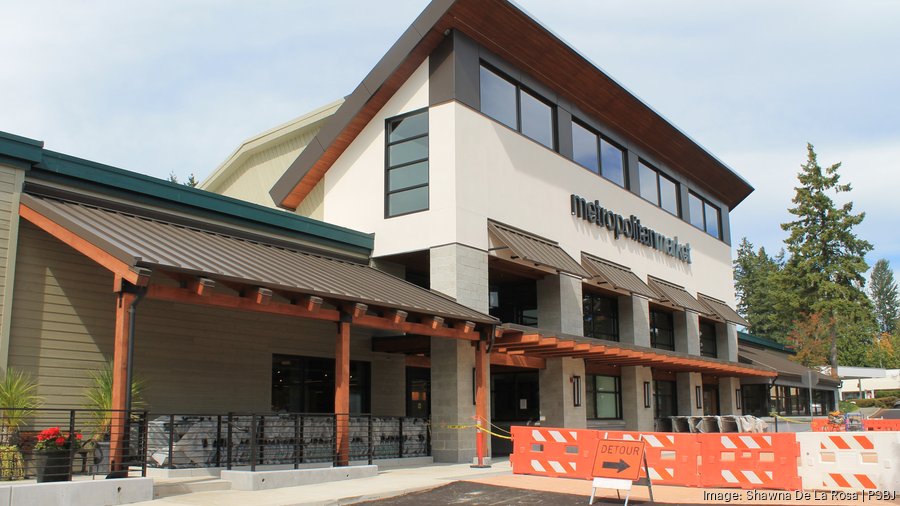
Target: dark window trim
(705, 202)
(592, 390)
(519, 85)
(615, 317)
(654, 343)
(714, 341)
(388, 168)
(600, 136)
(661, 174)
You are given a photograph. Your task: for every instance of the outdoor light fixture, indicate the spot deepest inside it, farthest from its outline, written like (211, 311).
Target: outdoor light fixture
(737, 395)
(646, 394)
(576, 390)
(698, 392)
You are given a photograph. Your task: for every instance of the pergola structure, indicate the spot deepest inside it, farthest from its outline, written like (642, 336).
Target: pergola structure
(176, 259)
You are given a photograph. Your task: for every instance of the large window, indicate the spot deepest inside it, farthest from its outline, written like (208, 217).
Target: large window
(406, 178)
(755, 399)
(823, 402)
(306, 385)
(601, 317)
(604, 397)
(705, 216)
(518, 108)
(662, 330)
(789, 400)
(708, 346)
(597, 154)
(658, 188)
(665, 402)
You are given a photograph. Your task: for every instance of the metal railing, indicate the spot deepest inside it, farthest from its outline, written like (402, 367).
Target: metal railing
(76, 442)
(251, 440)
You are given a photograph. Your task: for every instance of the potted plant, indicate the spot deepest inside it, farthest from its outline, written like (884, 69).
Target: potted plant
(18, 400)
(99, 403)
(53, 453)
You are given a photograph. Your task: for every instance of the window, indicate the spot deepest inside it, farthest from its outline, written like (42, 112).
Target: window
(662, 330)
(601, 317)
(789, 400)
(708, 346)
(406, 164)
(520, 109)
(665, 402)
(823, 402)
(755, 399)
(306, 385)
(597, 154)
(705, 216)
(604, 397)
(657, 188)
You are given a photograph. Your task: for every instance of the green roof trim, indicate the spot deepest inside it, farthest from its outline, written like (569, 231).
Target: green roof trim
(764, 342)
(57, 166)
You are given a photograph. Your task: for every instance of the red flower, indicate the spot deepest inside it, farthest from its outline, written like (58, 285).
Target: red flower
(77, 436)
(60, 441)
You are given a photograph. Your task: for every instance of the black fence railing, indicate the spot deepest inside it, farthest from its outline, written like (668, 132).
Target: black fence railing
(283, 439)
(57, 444)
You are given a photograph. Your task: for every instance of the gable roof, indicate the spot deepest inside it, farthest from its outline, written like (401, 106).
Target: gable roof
(503, 28)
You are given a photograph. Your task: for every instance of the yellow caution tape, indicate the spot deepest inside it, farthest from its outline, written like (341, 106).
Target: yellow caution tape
(460, 426)
(789, 420)
(482, 429)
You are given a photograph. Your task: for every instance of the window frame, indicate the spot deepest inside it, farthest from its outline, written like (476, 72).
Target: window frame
(388, 122)
(660, 174)
(657, 395)
(598, 152)
(520, 87)
(615, 317)
(714, 341)
(591, 391)
(704, 203)
(654, 330)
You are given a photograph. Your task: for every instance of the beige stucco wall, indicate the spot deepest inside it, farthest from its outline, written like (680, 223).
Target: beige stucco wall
(11, 180)
(192, 359)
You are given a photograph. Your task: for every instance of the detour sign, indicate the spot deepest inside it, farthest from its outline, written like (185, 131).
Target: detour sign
(618, 459)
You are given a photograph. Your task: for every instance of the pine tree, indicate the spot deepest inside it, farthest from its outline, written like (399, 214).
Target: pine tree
(758, 284)
(883, 291)
(826, 266)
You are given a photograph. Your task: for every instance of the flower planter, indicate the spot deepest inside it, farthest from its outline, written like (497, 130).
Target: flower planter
(53, 465)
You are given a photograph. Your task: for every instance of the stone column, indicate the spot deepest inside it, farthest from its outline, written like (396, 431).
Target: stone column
(559, 304)
(728, 396)
(636, 416)
(634, 320)
(727, 341)
(391, 371)
(558, 396)
(687, 332)
(686, 384)
(461, 272)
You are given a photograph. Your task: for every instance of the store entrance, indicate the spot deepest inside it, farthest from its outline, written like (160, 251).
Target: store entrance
(710, 400)
(515, 400)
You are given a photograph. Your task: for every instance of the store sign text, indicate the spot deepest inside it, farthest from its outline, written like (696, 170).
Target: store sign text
(629, 228)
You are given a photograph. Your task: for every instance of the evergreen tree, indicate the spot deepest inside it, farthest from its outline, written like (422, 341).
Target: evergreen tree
(758, 284)
(883, 291)
(826, 266)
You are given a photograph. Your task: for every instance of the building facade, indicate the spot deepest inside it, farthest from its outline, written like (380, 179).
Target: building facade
(496, 165)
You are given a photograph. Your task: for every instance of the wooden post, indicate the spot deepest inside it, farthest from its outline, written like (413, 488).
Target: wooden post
(120, 381)
(342, 394)
(481, 390)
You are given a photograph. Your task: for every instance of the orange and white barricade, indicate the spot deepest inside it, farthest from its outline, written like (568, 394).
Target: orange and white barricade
(881, 425)
(548, 451)
(750, 461)
(850, 461)
(671, 457)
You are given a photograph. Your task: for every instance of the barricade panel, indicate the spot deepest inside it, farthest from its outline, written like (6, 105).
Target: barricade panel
(881, 425)
(850, 461)
(554, 452)
(749, 461)
(672, 458)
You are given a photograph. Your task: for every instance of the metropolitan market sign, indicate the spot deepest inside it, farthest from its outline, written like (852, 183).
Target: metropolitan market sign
(629, 228)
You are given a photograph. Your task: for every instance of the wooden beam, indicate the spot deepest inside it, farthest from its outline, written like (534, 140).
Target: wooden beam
(464, 327)
(482, 387)
(355, 309)
(435, 322)
(263, 296)
(375, 322)
(402, 344)
(201, 286)
(117, 454)
(183, 295)
(418, 361)
(81, 245)
(516, 339)
(342, 394)
(396, 316)
(518, 361)
(310, 303)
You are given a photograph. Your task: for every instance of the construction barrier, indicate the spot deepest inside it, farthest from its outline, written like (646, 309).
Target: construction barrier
(881, 425)
(558, 453)
(850, 461)
(672, 458)
(750, 461)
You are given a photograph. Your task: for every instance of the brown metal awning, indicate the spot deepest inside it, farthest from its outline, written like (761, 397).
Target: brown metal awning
(535, 249)
(516, 340)
(618, 277)
(721, 309)
(676, 295)
(786, 368)
(126, 242)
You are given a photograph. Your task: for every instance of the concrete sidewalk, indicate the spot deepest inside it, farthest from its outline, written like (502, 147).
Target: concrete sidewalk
(400, 481)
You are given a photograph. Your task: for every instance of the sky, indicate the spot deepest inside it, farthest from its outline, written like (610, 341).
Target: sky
(174, 86)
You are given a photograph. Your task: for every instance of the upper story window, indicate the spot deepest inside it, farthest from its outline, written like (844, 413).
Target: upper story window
(520, 109)
(708, 346)
(705, 216)
(662, 330)
(601, 317)
(406, 164)
(597, 154)
(658, 188)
